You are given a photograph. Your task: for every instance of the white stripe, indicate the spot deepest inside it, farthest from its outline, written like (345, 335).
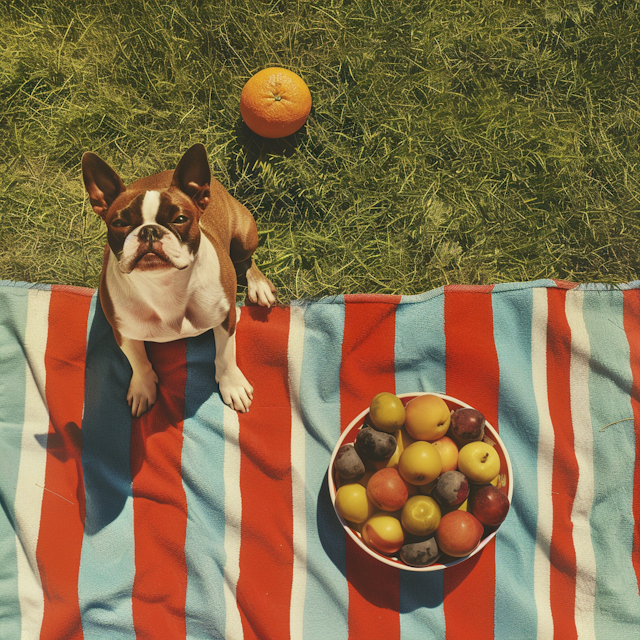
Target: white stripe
(583, 445)
(232, 517)
(33, 459)
(150, 206)
(546, 442)
(299, 582)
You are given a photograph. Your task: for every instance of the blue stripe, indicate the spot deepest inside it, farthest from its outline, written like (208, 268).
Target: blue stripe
(12, 284)
(13, 366)
(519, 426)
(545, 283)
(107, 564)
(610, 381)
(327, 595)
(203, 481)
(420, 359)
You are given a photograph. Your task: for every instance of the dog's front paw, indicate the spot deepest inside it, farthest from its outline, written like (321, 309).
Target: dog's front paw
(235, 389)
(142, 392)
(260, 289)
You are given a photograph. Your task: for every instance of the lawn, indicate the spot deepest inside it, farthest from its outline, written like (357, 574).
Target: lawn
(449, 141)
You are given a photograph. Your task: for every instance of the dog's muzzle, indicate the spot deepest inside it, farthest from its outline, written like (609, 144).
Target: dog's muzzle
(150, 233)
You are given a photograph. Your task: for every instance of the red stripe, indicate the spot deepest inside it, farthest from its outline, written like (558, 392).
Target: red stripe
(468, 288)
(159, 501)
(63, 503)
(631, 319)
(266, 544)
(367, 369)
(565, 468)
(565, 284)
(473, 377)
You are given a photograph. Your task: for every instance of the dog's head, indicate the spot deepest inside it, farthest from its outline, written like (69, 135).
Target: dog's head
(151, 226)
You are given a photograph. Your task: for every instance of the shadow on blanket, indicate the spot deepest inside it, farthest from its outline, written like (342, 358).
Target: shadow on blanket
(421, 589)
(114, 445)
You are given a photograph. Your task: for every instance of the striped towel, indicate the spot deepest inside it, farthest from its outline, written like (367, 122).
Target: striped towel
(198, 522)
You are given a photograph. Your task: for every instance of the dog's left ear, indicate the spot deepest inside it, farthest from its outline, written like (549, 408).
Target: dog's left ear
(193, 176)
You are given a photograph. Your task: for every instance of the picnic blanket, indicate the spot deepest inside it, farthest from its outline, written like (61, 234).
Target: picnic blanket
(195, 521)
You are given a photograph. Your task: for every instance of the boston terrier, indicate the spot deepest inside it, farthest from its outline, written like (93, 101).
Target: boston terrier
(177, 244)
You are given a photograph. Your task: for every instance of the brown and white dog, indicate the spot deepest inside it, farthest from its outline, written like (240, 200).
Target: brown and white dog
(177, 241)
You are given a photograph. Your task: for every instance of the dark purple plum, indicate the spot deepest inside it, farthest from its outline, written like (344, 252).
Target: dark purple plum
(348, 463)
(452, 489)
(420, 554)
(467, 425)
(374, 444)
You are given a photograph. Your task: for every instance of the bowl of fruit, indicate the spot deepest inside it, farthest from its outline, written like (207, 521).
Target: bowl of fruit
(420, 481)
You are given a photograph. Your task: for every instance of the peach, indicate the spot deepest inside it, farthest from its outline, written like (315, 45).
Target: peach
(387, 490)
(459, 533)
(448, 452)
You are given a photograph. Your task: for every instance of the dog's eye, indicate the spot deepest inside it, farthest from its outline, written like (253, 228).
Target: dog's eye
(181, 219)
(119, 223)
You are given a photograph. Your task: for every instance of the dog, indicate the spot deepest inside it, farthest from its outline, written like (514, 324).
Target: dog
(177, 242)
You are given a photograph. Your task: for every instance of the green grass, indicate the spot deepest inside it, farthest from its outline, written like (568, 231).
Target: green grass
(449, 141)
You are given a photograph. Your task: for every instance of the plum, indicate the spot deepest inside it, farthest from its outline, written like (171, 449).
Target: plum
(452, 489)
(467, 425)
(420, 554)
(489, 505)
(348, 463)
(374, 444)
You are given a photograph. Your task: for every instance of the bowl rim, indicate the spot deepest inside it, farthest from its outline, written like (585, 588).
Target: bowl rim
(356, 537)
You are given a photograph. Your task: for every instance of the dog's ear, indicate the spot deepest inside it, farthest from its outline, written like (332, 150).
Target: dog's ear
(102, 183)
(193, 176)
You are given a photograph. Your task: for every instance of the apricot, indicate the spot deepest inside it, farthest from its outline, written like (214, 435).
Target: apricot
(420, 463)
(383, 533)
(352, 503)
(386, 412)
(427, 417)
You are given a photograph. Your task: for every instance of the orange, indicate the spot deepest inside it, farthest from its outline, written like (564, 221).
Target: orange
(275, 102)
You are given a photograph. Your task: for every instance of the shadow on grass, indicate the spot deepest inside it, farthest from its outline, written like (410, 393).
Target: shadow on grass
(258, 148)
(253, 163)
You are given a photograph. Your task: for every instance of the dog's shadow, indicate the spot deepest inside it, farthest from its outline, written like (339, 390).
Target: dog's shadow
(115, 446)
(106, 427)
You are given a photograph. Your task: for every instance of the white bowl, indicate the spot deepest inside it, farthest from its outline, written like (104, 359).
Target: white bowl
(490, 434)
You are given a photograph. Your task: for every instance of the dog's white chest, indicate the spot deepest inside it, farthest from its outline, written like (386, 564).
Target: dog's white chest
(170, 304)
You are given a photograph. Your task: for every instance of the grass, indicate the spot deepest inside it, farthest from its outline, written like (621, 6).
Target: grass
(449, 142)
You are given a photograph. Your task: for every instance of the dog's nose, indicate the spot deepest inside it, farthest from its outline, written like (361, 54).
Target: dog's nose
(150, 233)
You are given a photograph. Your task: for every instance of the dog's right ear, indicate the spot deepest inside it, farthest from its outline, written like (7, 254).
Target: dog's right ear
(102, 183)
